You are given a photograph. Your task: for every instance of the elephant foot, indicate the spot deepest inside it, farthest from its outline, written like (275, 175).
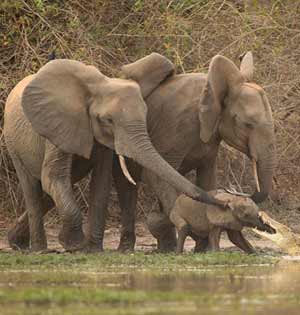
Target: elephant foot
(72, 241)
(93, 248)
(39, 246)
(199, 249)
(163, 230)
(46, 251)
(127, 242)
(201, 245)
(167, 244)
(212, 249)
(18, 238)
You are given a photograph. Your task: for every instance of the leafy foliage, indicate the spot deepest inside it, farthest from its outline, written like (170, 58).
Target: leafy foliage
(109, 34)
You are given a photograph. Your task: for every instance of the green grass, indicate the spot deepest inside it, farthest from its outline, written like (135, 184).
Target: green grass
(95, 296)
(135, 260)
(99, 296)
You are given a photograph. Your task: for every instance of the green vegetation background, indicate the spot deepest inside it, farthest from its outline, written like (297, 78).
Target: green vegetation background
(109, 34)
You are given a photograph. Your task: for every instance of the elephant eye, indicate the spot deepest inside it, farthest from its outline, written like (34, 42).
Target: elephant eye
(240, 122)
(249, 125)
(248, 215)
(105, 120)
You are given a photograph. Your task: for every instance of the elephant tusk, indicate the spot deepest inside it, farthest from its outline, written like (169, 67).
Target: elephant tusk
(254, 166)
(125, 170)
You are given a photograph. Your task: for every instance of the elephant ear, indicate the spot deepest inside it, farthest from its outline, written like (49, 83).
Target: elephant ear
(222, 218)
(247, 67)
(149, 72)
(223, 78)
(56, 104)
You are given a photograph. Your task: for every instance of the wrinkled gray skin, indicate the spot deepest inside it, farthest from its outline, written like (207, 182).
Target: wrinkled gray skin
(205, 223)
(188, 117)
(64, 121)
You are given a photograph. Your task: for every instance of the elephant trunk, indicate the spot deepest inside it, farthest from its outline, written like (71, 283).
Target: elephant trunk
(265, 170)
(134, 142)
(263, 226)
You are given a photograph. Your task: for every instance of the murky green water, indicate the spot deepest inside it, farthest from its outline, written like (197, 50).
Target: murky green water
(204, 290)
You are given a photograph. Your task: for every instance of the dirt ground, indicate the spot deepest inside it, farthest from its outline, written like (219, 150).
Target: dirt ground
(146, 242)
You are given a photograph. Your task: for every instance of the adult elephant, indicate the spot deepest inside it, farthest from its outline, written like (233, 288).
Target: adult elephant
(188, 117)
(67, 119)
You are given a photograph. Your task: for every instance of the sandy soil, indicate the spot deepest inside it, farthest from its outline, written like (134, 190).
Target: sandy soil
(146, 242)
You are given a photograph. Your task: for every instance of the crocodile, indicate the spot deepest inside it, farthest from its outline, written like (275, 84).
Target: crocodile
(284, 237)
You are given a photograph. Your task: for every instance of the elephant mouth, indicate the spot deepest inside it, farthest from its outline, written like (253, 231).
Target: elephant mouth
(258, 196)
(239, 147)
(125, 170)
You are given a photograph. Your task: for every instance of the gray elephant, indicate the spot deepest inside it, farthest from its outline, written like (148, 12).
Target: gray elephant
(188, 117)
(205, 223)
(67, 119)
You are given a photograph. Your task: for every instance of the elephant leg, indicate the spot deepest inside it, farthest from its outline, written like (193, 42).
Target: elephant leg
(100, 187)
(56, 182)
(166, 239)
(127, 194)
(237, 238)
(214, 239)
(201, 243)
(33, 195)
(182, 234)
(163, 230)
(19, 234)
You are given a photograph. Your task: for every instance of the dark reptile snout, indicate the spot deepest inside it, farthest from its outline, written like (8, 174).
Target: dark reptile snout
(262, 226)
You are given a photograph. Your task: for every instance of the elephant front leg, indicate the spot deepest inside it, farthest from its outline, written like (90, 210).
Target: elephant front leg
(163, 230)
(159, 223)
(201, 243)
(56, 181)
(100, 187)
(214, 239)
(238, 239)
(182, 234)
(127, 194)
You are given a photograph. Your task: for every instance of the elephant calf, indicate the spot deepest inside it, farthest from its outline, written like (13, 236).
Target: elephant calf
(205, 223)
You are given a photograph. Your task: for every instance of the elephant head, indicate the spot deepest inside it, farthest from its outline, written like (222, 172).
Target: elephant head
(72, 104)
(240, 113)
(241, 212)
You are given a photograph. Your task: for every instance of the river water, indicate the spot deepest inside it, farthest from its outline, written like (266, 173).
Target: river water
(243, 290)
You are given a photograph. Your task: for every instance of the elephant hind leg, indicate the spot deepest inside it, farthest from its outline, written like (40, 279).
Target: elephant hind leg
(19, 235)
(183, 232)
(33, 195)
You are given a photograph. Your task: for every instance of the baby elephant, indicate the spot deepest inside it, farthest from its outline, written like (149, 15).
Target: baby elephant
(205, 223)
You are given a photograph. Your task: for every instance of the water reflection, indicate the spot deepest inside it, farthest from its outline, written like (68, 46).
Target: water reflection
(239, 290)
